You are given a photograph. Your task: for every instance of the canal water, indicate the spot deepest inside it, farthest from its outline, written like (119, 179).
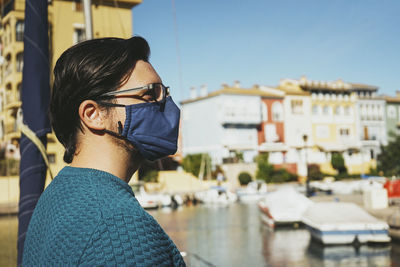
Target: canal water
(235, 236)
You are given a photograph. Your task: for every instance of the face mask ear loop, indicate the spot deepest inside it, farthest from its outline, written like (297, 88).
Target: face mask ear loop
(119, 127)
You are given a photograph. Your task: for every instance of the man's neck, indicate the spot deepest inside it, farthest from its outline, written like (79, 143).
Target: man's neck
(108, 157)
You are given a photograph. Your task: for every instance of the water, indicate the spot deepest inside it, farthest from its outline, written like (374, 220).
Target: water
(235, 236)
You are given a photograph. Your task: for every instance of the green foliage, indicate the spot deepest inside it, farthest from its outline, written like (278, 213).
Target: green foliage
(281, 176)
(314, 172)
(264, 169)
(191, 163)
(238, 156)
(150, 176)
(342, 176)
(337, 162)
(244, 178)
(388, 160)
(373, 171)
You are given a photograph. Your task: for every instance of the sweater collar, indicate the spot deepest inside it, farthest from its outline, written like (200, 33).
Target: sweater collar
(99, 174)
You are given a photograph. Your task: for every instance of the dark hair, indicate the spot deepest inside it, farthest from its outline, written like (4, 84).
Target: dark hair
(86, 71)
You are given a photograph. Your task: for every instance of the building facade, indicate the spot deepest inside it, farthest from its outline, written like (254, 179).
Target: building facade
(393, 116)
(232, 121)
(66, 28)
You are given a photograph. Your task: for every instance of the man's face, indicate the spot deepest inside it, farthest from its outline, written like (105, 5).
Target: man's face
(143, 74)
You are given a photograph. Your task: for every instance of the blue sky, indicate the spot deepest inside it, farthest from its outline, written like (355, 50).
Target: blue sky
(261, 42)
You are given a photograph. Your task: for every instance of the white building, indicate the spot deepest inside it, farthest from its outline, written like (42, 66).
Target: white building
(222, 123)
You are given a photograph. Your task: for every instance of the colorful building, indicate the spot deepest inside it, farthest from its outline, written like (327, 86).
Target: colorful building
(271, 134)
(66, 27)
(393, 116)
(325, 117)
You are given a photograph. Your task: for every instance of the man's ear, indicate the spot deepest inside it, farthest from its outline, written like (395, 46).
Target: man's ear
(92, 115)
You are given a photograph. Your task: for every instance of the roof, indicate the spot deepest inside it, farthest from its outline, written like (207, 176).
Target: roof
(391, 99)
(227, 90)
(303, 84)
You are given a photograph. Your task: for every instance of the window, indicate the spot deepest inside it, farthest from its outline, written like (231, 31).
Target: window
(391, 111)
(20, 62)
(270, 133)
(19, 31)
(19, 91)
(326, 110)
(297, 106)
(315, 110)
(344, 132)
(348, 111)
(79, 35)
(277, 111)
(338, 111)
(77, 6)
(52, 158)
(264, 112)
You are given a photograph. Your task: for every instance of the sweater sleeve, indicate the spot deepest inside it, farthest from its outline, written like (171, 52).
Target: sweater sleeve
(130, 241)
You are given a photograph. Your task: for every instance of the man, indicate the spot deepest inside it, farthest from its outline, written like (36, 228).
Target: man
(111, 111)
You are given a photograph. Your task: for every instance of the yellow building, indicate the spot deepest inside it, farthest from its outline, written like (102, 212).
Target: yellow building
(325, 117)
(66, 27)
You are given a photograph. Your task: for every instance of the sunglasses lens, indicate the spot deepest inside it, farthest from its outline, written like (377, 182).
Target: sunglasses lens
(158, 92)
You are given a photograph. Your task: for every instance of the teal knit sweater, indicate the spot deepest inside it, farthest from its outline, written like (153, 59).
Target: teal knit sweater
(88, 217)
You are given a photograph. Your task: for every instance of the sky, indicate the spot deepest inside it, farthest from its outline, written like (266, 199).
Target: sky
(210, 42)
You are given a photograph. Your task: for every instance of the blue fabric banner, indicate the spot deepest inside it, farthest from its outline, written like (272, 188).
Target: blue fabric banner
(35, 103)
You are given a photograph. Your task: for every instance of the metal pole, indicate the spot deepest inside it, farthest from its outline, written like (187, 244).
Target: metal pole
(88, 19)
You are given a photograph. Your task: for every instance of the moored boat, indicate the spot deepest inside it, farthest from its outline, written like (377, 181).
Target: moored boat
(344, 223)
(253, 192)
(284, 206)
(394, 225)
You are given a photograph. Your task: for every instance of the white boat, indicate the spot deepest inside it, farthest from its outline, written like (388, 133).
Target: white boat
(253, 192)
(216, 195)
(394, 225)
(151, 201)
(344, 223)
(284, 206)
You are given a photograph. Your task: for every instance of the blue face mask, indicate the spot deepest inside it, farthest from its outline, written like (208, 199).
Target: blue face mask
(152, 128)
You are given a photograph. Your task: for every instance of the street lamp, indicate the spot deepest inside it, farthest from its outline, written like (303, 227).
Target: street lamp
(305, 138)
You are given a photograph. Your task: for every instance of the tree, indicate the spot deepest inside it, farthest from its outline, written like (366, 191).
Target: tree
(192, 163)
(314, 172)
(150, 176)
(337, 162)
(244, 178)
(264, 169)
(389, 158)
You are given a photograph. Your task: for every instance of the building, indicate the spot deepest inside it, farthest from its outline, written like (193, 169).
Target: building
(371, 124)
(66, 27)
(232, 121)
(325, 117)
(393, 116)
(297, 124)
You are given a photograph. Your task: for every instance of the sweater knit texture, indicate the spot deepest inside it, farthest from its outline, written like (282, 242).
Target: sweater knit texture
(87, 217)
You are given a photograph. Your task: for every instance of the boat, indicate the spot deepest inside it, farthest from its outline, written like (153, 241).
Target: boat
(284, 206)
(253, 192)
(154, 200)
(344, 223)
(394, 225)
(216, 195)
